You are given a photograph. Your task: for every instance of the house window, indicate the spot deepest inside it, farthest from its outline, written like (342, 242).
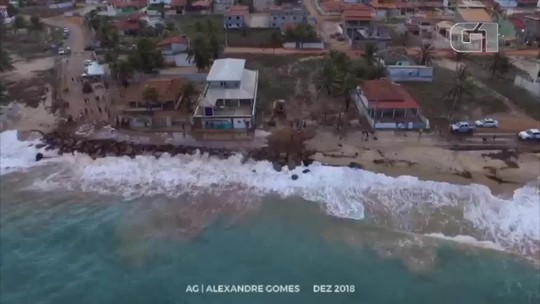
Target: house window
(230, 18)
(283, 17)
(237, 17)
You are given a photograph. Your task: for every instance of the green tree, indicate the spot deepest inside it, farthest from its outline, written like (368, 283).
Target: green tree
(36, 25)
(500, 64)
(426, 54)
(461, 87)
(161, 9)
(5, 61)
(147, 56)
(170, 26)
(19, 23)
(276, 41)
(124, 72)
(370, 54)
(3, 92)
(150, 94)
(199, 52)
(213, 39)
(189, 92)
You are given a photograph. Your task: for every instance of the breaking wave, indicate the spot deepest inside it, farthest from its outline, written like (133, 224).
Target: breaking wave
(401, 203)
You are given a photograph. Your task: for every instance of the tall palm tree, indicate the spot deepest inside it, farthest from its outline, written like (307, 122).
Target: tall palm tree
(122, 70)
(461, 87)
(370, 52)
(150, 94)
(276, 40)
(36, 25)
(5, 61)
(199, 52)
(19, 23)
(213, 39)
(500, 64)
(459, 57)
(426, 54)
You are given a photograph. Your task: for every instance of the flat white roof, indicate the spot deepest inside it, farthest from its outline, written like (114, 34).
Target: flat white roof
(95, 69)
(227, 69)
(247, 90)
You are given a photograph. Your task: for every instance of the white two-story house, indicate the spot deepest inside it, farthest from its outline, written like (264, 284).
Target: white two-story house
(229, 98)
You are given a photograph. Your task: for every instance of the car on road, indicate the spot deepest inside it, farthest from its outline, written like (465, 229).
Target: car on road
(64, 51)
(87, 62)
(530, 134)
(487, 123)
(462, 127)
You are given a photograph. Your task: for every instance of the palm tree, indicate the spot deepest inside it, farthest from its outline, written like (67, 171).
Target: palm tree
(19, 23)
(276, 41)
(199, 52)
(426, 54)
(461, 87)
(213, 40)
(459, 57)
(122, 70)
(147, 56)
(36, 25)
(189, 91)
(500, 64)
(5, 61)
(150, 94)
(370, 52)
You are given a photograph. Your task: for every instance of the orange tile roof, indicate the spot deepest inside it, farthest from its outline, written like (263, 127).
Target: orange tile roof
(474, 15)
(357, 15)
(169, 89)
(182, 39)
(339, 6)
(237, 10)
(383, 94)
(177, 3)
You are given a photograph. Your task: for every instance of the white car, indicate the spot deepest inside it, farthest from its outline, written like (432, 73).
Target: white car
(462, 127)
(487, 123)
(61, 51)
(530, 134)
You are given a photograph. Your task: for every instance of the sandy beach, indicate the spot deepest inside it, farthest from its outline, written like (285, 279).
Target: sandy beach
(501, 173)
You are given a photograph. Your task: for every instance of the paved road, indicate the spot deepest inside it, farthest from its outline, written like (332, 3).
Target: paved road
(92, 105)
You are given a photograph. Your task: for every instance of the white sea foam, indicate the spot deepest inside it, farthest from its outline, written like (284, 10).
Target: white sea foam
(468, 240)
(402, 203)
(16, 155)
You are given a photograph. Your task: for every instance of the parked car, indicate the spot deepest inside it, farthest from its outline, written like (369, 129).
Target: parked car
(61, 51)
(87, 62)
(462, 127)
(487, 123)
(530, 134)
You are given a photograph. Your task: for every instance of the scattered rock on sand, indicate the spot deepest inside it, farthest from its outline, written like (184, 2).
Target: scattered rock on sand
(355, 165)
(276, 166)
(306, 171)
(294, 177)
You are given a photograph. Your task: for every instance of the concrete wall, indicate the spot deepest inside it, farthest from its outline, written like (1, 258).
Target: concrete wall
(306, 45)
(60, 5)
(410, 73)
(529, 85)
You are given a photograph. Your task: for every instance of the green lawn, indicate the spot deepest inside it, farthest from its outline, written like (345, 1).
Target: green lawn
(434, 106)
(187, 23)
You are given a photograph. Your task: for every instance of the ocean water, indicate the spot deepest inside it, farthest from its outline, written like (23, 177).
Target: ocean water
(73, 230)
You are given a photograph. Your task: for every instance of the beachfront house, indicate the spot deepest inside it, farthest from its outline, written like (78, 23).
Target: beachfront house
(388, 105)
(229, 98)
(160, 111)
(402, 68)
(235, 17)
(174, 50)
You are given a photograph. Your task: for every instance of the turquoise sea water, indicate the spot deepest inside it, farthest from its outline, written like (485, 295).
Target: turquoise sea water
(80, 248)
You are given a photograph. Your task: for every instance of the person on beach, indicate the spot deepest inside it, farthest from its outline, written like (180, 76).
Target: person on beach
(420, 134)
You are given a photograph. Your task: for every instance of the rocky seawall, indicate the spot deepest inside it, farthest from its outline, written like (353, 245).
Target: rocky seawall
(99, 148)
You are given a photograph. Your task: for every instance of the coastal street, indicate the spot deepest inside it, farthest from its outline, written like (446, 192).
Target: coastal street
(91, 107)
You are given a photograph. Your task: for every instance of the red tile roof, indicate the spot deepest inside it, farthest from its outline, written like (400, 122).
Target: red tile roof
(125, 25)
(359, 15)
(383, 94)
(237, 10)
(181, 39)
(135, 16)
(340, 7)
(202, 4)
(518, 22)
(129, 3)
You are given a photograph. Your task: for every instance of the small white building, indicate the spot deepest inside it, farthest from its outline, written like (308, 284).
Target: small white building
(230, 97)
(174, 50)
